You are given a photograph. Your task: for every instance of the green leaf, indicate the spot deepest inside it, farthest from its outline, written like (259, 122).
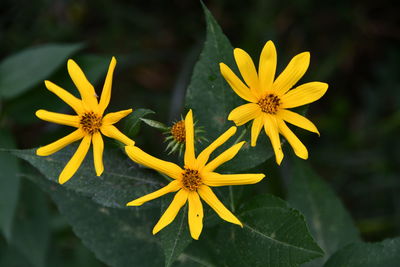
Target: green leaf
(9, 184)
(175, 237)
(119, 237)
(212, 99)
(273, 235)
(121, 182)
(329, 222)
(155, 124)
(132, 122)
(384, 254)
(31, 229)
(96, 206)
(23, 70)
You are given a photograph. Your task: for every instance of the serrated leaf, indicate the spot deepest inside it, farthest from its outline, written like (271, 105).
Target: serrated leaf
(121, 182)
(9, 184)
(273, 235)
(212, 99)
(132, 122)
(382, 254)
(23, 70)
(118, 237)
(329, 222)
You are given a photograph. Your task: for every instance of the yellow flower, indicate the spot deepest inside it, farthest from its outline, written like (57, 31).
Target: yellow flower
(89, 120)
(194, 180)
(269, 99)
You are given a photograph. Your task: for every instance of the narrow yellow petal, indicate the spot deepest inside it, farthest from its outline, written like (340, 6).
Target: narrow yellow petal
(75, 162)
(256, 129)
(292, 73)
(223, 157)
(216, 179)
(189, 140)
(236, 84)
(171, 187)
(65, 96)
(298, 147)
(115, 117)
(168, 168)
(205, 154)
(195, 216)
(112, 132)
(171, 212)
(84, 87)
(70, 120)
(271, 129)
(98, 147)
(244, 113)
(267, 66)
(60, 144)
(304, 94)
(106, 93)
(248, 71)
(298, 120)
(211, 199)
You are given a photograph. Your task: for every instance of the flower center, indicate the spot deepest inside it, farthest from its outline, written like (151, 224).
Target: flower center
(269, 104)
(178, 131)
(191, 179)
(90, 122)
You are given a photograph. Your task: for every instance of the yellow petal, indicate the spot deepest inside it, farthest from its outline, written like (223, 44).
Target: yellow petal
(84, 87)
(223, 157)
(171, 212)
(248, 70)
(106, 93)
(115, 117)
(298, 147)
(112, 132)
(65, 96)
(236, 84)
(267, 66)
(205, 154)
(292, 73)
(216, 179)
(256, 129)
(211, 199)
(298, 120)
(171, 187)
(271, 129)
(170, 169)
(98, 147)
(304, 94)
(189, 140)
(195, 215)
(244, 113)
(76, 160)
(60, 144)
(70, 120)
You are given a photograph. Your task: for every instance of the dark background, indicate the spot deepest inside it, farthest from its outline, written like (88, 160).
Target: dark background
(354, 47)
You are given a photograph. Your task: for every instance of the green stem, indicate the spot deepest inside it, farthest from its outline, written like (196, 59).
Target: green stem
(241, 135)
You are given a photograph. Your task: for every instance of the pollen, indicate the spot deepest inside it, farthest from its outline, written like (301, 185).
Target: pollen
(269, 104)
(90, 122)
(178, 131)
(191, 179)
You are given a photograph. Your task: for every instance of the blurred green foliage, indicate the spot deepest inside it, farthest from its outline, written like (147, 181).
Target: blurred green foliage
(354, 47)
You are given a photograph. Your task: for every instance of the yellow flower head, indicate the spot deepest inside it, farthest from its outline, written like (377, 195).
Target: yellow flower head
(193, 181)
(269, 99)
(89, 121)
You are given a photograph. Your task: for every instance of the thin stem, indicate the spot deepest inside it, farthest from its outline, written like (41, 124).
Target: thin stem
(241, 136)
